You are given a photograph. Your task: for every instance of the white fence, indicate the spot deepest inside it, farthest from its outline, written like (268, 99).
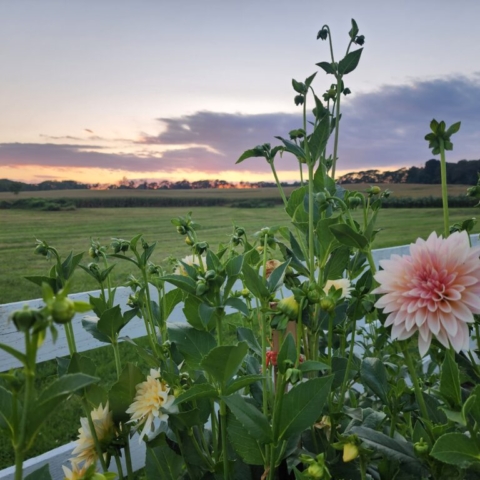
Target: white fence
(136, 328)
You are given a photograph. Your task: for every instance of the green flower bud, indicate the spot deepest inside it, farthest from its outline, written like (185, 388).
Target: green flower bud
(202, 287)
(182, 230)
(210, 275)
(41, 249)
(299, 100)
(63, 310)
(189, 241)
(289, 306)
(350, 452)
(24, 319)
(322, 34)
(239, 231)
(360, 40)
(374, 190)
(354, 202)
(200, 247)
(327, 304)
(421, 447)
(315, 471)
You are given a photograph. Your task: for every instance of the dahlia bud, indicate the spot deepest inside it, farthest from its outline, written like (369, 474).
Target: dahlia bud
(63, 310)
(350, 452)
(289, 306)
(24, 319)
(327, 304)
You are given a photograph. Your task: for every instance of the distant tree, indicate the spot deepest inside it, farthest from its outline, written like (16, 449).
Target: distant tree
(15, 187)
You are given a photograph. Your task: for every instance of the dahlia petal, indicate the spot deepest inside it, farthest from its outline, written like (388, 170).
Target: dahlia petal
(449, 324)
(420, 317)
(390, 319)
(473, 301)
(442, 337)
(434, 323)
(456, 340)
(424, 345)
(462, 312)
(452, 294)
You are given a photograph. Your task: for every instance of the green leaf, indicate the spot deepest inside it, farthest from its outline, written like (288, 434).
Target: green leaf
(326, 239)
(450, 381)
(346, 235)
(456, 449)
(247, 335)
(249, 450)
(91, 327)
(275, 280)
(38, 280)
(303, 405)
(241, 383)
(374, 375)
(350, 62)
(6, 409)
(293, 148)
(327, 67)
(254, 282)
(81, 307)
(249, 154)
(472, 405)
(453, 128)
(170, 300)
(111, 322)
(81, 364)
(162, 462)
(238, 304)
(288, 351)
(233, 268)
(207, 315)
(200, 390)
(21, 357)
(191, 310)
(193, 344)
(312, 366)
(337, 263)
(187, 284)
(354, 30)
(309, 80)
(222, 363)
(53, 396)
(319, 138)
(252, 419)
(42, 473)
(295, 199)
(299, 87)
(393, 449)
(123, 392)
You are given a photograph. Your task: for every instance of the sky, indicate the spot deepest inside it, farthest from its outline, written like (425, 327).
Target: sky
(98, 90)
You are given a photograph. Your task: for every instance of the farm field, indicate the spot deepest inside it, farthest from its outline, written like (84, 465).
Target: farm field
(233, 194)
(72, 230)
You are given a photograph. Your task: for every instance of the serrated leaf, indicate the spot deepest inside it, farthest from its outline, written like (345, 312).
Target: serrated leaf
(288, 351)
(337, 263)
(456, 449)
(252, 419)
(293, 148)
(201, 390)
(162, 462)
(247, 335)
(393, 449)
(346, 235)
(111, 322)
(250, 451)
(183, 282)
(238, 304)
(222, 363)
(303, 405)
(193, 344)
(312, 366)
(374, 375)
(242, 382)
(42, 473)
(319, 138)
(450, 381)
(254, 282)
(249, 154)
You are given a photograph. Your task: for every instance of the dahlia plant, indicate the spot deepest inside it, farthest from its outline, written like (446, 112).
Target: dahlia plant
(297, 357)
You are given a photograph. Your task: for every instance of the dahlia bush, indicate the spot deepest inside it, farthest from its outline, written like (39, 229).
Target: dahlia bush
(295, 358)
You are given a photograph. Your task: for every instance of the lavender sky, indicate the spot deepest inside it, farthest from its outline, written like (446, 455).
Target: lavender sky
(97, 90)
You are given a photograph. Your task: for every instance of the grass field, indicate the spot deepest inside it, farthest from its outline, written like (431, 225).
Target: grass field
(73, 230)
(398, 189)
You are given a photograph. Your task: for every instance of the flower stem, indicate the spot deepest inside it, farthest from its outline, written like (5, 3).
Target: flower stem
(128, 459)
(118, 363)
(18, 463)
(311, 226)
(72, 348)
(279, 186)
(223, 432)
(119, 466)
(413, 376)
(349, 363)
(443, 172)
(337, 126)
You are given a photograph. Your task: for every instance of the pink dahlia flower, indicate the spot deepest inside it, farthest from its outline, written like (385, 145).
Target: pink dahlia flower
(435, 290)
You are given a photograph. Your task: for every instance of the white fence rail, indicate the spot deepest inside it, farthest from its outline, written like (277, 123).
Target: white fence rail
(136, 328)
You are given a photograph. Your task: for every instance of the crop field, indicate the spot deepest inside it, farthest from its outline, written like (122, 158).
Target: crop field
(73, 230)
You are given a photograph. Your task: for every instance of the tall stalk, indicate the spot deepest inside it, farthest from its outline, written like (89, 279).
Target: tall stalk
(443, 172)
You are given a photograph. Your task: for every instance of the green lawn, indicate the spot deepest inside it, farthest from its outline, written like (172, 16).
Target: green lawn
(73, 230)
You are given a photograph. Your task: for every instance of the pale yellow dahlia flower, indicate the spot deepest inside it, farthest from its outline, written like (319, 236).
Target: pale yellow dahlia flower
(85, 450)
(342, 284)
(191, 260)
(152, 395)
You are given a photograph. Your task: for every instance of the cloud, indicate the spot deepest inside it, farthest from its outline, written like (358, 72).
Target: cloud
(63, 137)
(378, 129)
